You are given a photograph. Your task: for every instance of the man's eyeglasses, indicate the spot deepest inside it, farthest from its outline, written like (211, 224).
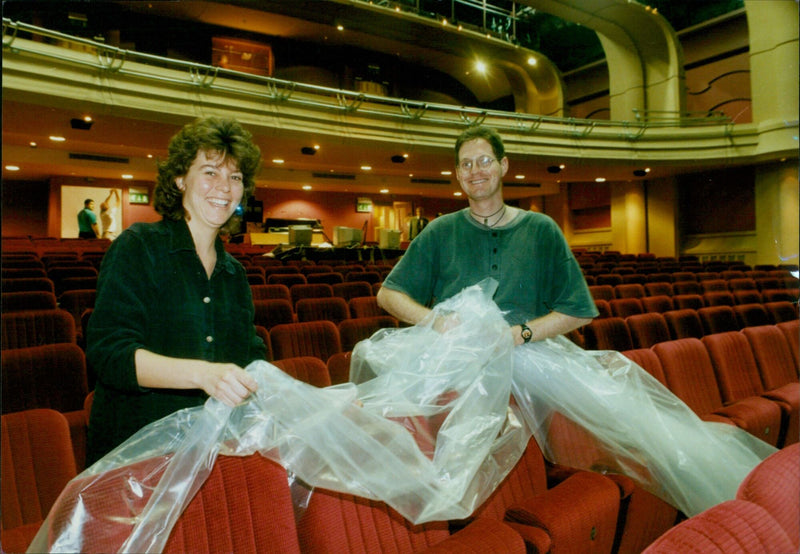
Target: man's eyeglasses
(482, 163)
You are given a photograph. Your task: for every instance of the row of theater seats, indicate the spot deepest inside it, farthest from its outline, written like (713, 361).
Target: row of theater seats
(740, 291)
(623, 324)
(537, 508)
(747, 378)
(35, 317)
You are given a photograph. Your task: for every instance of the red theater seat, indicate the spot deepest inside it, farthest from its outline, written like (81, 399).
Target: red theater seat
(690, 376)
(733, 527)
(37, 463)
(311, 338)
(307, 369)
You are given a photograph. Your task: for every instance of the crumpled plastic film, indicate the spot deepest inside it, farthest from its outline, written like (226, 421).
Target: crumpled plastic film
(426, 426)
(598, 410)
(432, 435)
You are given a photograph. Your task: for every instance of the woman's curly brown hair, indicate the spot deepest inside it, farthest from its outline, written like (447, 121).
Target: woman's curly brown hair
(224, 136)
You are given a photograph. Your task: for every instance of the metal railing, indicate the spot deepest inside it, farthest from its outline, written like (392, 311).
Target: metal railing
(116, 60)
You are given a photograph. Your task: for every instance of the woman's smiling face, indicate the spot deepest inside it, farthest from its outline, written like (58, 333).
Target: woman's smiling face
(212, 189)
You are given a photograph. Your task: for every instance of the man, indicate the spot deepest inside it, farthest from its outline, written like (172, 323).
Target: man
(87, 221)
(541, 289)
(416, 224)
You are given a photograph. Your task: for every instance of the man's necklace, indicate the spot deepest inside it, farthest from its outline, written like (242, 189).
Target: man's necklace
(486, 218)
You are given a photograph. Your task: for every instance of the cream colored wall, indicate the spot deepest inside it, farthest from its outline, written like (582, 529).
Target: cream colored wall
(773, 28)
(628, 232)
(777, 219)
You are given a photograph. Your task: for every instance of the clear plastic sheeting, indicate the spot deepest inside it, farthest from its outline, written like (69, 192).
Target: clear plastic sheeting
(598, 410)
(432, 435)
(426, 426)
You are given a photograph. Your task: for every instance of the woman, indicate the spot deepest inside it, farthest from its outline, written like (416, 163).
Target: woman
(173, 319)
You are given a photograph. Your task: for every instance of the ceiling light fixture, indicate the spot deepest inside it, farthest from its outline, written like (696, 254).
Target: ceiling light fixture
(127, 176)
(532, 60)
(519, 176)
(366, 167)
(480, 67)
(641, 172)
(458, 193)
(308, 150)
(398, 159)
(554, 169)
(306, 187)
(12, 167)
(56, 138)
(447, 172)
(33, 144)
(81, 124)
(277, 161)
(384, 191)
(600, 180)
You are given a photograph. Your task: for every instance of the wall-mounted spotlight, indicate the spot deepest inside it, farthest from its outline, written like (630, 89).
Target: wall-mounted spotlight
(398, 159)
(308, 150)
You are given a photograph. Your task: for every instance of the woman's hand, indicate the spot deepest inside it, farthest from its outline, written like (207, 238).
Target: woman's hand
(228, 383)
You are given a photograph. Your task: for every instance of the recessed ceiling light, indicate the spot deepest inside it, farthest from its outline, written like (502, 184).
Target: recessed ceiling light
(56, 138)
(531, 60)
(81, 124)
(366, 167)
(33, 144)
(12, 167)
(340, 27)
(600, 180)
(316, 147)
(384, 191)
(87, 118)
(149, 155)
(480, 67)
(457, 193)
(277, 161)
(306, 187)
(127, 176)
(447, 172)
(519, 176)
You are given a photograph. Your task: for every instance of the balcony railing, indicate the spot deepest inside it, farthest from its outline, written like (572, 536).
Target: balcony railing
(115, 60)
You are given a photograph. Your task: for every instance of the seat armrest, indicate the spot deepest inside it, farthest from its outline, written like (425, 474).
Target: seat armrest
(579, 515)
(482, 535)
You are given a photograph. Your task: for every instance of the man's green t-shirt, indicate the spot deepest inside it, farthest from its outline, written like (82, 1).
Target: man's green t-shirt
(529, 258)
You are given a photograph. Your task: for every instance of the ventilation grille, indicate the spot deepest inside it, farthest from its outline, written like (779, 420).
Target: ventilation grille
(98, 158)
(523, 185)
(422, 180)
(343, 176)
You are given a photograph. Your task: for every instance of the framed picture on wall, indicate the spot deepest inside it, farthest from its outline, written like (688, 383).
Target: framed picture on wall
(364, 205)
(138, 195)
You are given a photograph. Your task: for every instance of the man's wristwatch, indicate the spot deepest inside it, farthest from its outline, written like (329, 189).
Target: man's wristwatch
(526, 333)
